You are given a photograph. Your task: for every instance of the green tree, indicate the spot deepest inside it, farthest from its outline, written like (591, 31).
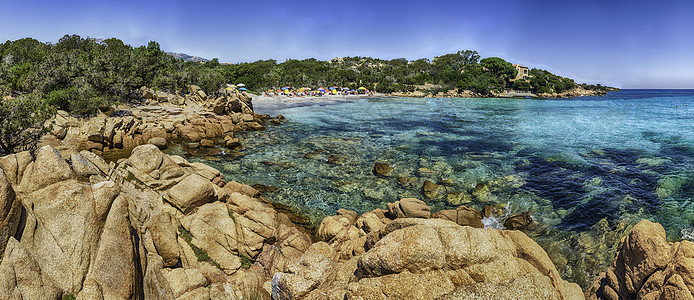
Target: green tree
(499, 67)
(22, 123)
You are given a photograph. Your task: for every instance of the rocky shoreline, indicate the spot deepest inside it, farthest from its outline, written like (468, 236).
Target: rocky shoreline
(147, 225)
(575, 92)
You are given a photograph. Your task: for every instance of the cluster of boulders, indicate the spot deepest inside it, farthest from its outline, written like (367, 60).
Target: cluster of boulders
(647, 267)
(198, 122)
(577, 91)
(407, 252)
(151, 226)
(433, 185)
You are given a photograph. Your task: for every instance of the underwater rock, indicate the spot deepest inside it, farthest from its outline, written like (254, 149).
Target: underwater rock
(462, 215)
(382, 169)
(336, 160)
(432, 190)
(518, 221)
(406, 182)
(458, 198)
(265, 188)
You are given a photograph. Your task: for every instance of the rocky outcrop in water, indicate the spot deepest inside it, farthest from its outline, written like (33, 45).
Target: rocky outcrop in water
(647, 267)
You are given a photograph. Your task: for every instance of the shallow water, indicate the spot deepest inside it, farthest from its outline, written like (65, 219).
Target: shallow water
(587, 168)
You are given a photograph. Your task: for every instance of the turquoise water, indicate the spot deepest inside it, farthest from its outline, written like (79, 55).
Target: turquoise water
(587, 168)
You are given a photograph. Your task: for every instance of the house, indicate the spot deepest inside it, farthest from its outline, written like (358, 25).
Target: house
(522, 72)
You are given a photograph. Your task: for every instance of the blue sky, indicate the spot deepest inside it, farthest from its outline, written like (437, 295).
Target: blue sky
(629, 44)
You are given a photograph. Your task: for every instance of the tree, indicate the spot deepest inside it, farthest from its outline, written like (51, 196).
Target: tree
(499, 67)
(22, 122)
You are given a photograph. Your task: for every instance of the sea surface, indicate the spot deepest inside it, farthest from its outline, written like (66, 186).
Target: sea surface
(587, 169)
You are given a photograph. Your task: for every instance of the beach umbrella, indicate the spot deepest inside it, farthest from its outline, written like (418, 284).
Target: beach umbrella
(285, 88)
(332, 88)
(361, 88)
(243, 89)
(240, 85)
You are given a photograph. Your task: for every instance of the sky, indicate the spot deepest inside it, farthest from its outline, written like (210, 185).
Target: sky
(627, 44)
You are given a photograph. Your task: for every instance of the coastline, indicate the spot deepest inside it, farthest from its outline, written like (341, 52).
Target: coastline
(267, 249)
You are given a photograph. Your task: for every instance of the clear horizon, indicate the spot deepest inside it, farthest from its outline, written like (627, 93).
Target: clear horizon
(627, 44)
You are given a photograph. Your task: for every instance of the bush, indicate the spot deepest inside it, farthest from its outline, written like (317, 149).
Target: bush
(22, 123)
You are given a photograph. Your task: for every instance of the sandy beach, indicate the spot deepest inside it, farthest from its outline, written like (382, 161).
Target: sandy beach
(269, 105)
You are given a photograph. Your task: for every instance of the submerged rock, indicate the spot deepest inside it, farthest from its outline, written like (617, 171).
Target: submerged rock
(382, 169)
(518, 221)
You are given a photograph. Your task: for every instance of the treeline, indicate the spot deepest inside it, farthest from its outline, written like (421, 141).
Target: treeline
(78, 74)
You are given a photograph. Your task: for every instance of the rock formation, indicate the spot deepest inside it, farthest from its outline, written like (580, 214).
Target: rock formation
(647, 267)
(151, 226)
(167, 118)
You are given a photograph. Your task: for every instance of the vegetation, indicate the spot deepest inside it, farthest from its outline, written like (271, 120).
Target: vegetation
(69, 296)
(80, 75)
(200, 254)
(22, 123)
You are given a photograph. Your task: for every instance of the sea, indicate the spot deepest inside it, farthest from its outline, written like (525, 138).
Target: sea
(587, 169)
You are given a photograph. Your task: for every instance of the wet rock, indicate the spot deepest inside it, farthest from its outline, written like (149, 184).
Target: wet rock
(409, 208)
(406, 182)
(336, 160)
(382, 169)
(518, 221)
(265, 188)
(462, 215)
(207, 143)
(458, 198)
(432, 190)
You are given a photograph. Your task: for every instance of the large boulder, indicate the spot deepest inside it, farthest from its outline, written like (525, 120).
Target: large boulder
(409, 208)
(213, 229)
(193, 191)
(48, 168)
(647, 267)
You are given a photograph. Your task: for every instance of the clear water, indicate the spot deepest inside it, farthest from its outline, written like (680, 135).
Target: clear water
(587, 169)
